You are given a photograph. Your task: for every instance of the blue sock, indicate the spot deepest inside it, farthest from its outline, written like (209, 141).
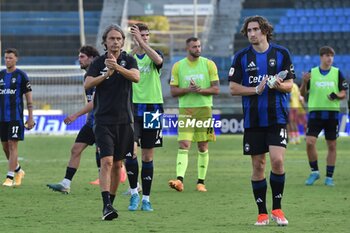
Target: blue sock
(330, 171)
(277, 185)
(313, 166)
(259, 190)
(147, 177)
(132, 169)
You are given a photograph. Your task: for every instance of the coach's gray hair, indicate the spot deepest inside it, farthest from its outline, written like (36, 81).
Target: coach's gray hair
(110, 28)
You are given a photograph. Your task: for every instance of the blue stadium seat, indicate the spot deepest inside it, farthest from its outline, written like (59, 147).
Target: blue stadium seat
(332, 20)
(293, 20)
(345, 28)
(329, 12)
(312, 20)
(326, 28)
(339, 12)
(296, 28)
(322, 19)
(342, 19)
(297, 59)
(291, 13)
(284, 20)
(306, 28)
(309, 12)
(319, 12)
(335, 27)
(316, 28)
(346, 11)
(278, 28)
(300, 12)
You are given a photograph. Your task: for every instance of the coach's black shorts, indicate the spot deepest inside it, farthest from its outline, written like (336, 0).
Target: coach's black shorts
(257, 140)
(314, 127)
(86, 135)
(147, 138)
(12, 130)
(116, 140)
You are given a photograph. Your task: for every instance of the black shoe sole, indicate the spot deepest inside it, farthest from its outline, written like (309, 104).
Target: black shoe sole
(110, 216)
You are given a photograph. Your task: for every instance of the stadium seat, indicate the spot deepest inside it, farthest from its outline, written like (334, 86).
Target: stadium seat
(341, 19)
(312, 20)
(316, 28)
(335, 28)
(329, 12)
(309, 12)
(346, 11)
(296, 28)
(291, 13)
(293, 20)
(345, 28)
(339, 12)
(300, 12)
(326, 28)
(284, 20)
(278, 28)
(322, 20)
(319, 12)
(306, 28)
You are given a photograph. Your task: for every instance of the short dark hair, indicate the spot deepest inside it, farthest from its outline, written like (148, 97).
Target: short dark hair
(194, 39)
(89, 50)
(142, 26)
(326, 50)
(12, 50)
(265, 26)
(110, 28)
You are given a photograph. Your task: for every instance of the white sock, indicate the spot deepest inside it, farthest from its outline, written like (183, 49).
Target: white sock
(134, 191)
(66, 183)
(11, 174)
(145, 198)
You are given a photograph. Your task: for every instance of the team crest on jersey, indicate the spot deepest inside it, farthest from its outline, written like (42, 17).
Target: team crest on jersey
(344, 84)
(123, 63)
(231, 72)
(2, 82)
(13, 80)
(272, 62)
(291, 69)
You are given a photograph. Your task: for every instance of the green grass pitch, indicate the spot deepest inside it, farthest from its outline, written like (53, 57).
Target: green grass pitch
(228, 206)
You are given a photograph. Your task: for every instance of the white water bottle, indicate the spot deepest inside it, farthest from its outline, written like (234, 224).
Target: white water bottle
(281, 75)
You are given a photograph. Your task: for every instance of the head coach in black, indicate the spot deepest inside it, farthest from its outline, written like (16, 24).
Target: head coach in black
(112, 74)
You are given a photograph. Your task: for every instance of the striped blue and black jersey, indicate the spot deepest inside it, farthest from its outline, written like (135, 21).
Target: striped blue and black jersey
(140, 109)
(249, 68)
(89, 95)
(12, 88)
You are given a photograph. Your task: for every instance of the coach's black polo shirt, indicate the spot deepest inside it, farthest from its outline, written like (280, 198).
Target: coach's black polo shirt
(113, 97)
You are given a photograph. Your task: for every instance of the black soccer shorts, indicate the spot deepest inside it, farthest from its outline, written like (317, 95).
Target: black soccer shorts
(115, 140)
(256, 141)
(331, 131)
(13, 130)
(147, 138)
(86, 135)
